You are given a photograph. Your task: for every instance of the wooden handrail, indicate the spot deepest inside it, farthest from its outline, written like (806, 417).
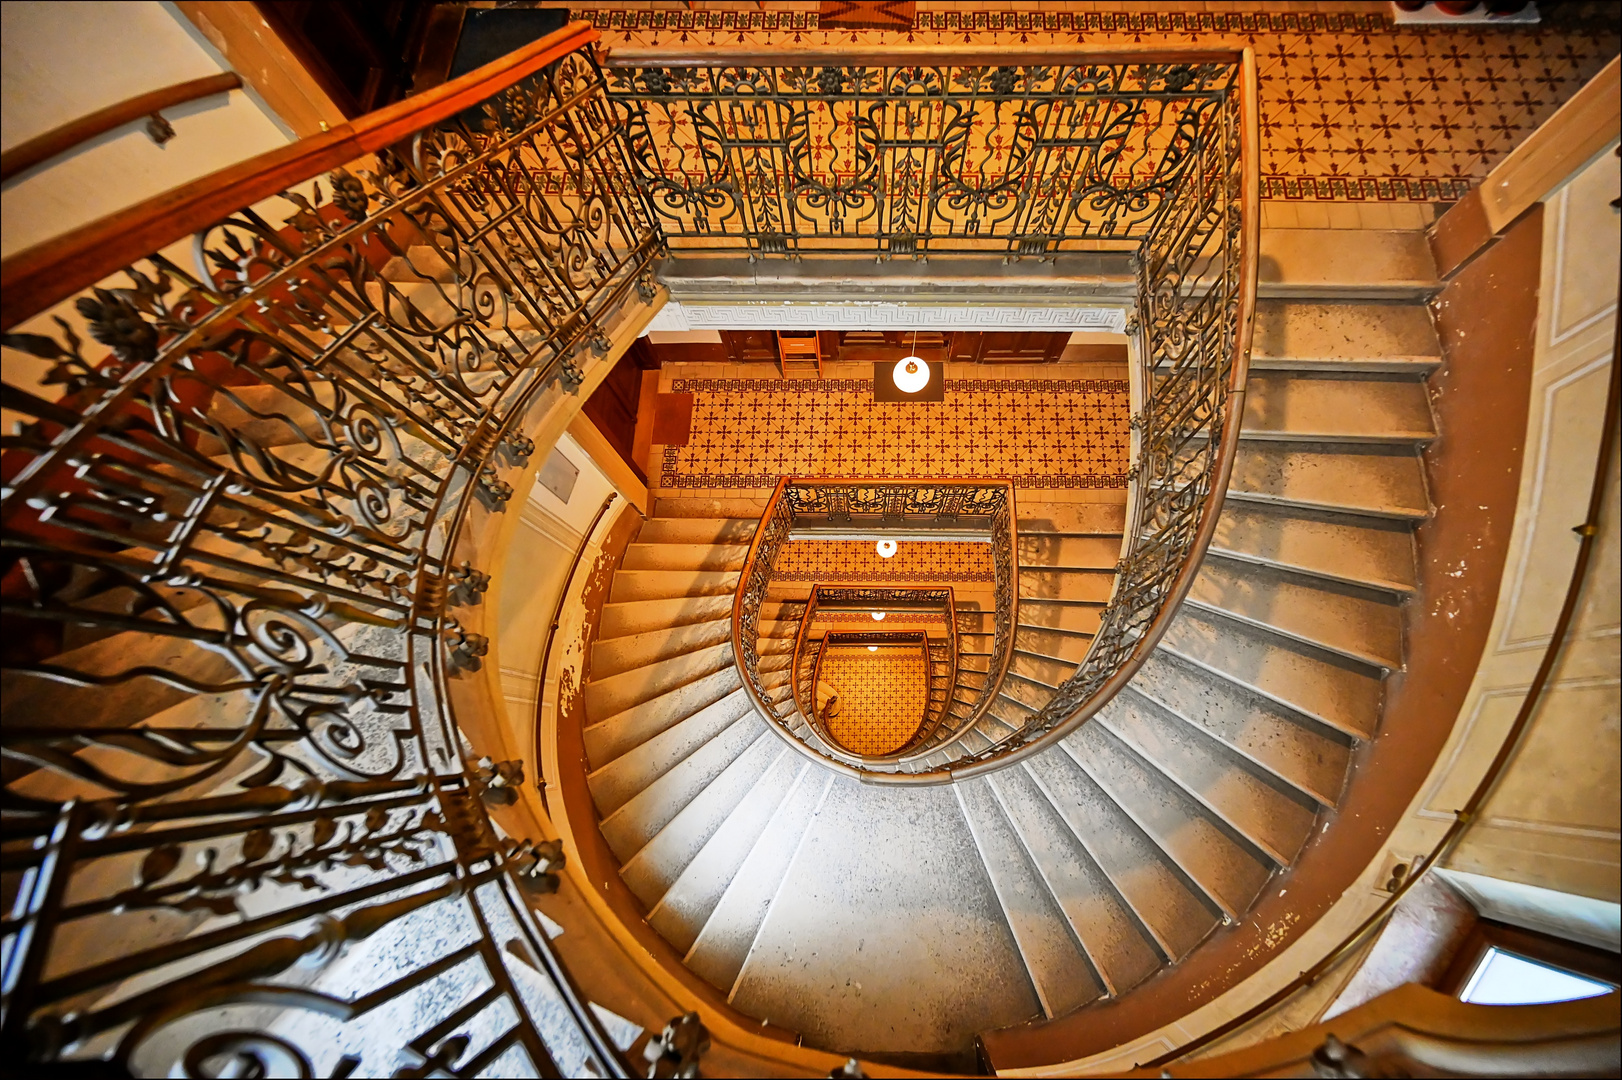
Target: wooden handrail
(32, 280)
(557, 617)
(59, 140)
(1227, 451)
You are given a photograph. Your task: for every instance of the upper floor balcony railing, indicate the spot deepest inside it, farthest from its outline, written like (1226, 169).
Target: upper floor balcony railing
(927, 152)
(263, 423)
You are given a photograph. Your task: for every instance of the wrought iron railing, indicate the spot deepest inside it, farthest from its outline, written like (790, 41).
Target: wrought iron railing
(1053, 151)
(902, 601)
(947, 507)
(242, 830)
(916, 152)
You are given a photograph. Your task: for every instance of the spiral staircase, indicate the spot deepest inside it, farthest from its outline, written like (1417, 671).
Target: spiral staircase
(907, 919)
(266, 807)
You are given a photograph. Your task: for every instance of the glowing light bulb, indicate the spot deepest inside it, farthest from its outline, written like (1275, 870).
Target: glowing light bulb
(885, 548)
(878, 616)
(911, 374)
(872, 648)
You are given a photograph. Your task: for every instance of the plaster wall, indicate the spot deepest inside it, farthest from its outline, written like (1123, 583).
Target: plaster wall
(59, 62)
(1553, 822)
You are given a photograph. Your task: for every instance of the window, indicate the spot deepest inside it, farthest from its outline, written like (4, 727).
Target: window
(1503, 978)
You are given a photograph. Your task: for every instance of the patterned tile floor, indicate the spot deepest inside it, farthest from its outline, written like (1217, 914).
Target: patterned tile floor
(1353, 107)
(882, 695)
(833, 562)
(1043, 433)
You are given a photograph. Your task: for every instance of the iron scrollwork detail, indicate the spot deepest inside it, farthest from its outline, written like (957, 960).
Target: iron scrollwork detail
(233, 592)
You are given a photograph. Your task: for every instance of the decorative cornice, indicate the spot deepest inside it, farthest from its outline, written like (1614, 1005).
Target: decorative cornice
(867, 315)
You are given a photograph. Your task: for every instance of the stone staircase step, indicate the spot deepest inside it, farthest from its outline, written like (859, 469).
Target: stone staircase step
(640, 556)
(1078, 552)
(640, 818)
(611, 736)
(1058, 969)
(718, 954)
(1378, 553)
(1070, 585)
(617, 782)
(660, 861)
(650, 616)
(1207, 856)
(675, 530)
(666, 584)
(849, 912)
(1343, 264)
(1337, 407)
(1040, 669)
(1065, 615)
(1297, 750)
(1173, 917)
(1120, 953)
(617, 693)
(1367, 479)
(1271, 818)
(1344, 335)
(1354, 623)
(1340, 693)
(1057, 644)
(688, 903)
(611, 656)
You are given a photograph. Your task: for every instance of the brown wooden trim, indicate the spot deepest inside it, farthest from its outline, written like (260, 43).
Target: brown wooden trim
(32, 280)
(1581, 128)
(271, 69)
(59, 140)
(1579, 959)
(906, 55)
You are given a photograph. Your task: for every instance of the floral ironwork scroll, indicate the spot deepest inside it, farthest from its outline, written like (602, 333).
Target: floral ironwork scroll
(242, 828)
(911, 158)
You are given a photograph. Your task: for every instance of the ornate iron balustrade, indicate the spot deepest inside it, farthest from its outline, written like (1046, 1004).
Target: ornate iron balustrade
(807, 652)
(946, 505)
(241, 827)
(760, 128)
(913, 152)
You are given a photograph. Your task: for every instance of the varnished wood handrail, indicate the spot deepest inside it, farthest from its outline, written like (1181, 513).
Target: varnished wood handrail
(32, 280)
(59, 140)
(1233, 413)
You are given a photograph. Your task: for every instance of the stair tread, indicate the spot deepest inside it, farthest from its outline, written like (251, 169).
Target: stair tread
(1373, 552)
(1120, 952)
(1059, 971)
(1322, 613)
(1381, 481)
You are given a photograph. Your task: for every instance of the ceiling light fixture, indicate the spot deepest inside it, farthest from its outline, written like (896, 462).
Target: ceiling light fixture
(911, 374)
(878, 616)
(872, 648)
(885, 548)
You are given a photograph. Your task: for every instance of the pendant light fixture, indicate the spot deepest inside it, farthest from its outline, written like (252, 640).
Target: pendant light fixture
(885, 548)
(911, 373)
(878, 616)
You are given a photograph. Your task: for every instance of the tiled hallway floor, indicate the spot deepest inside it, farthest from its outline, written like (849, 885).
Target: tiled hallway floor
(1064, 430)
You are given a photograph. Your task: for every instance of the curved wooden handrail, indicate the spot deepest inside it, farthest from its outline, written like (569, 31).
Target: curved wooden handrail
(1221, 469)
(1232, 419)
(738, 607)
(59, 140)
(32, 280)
